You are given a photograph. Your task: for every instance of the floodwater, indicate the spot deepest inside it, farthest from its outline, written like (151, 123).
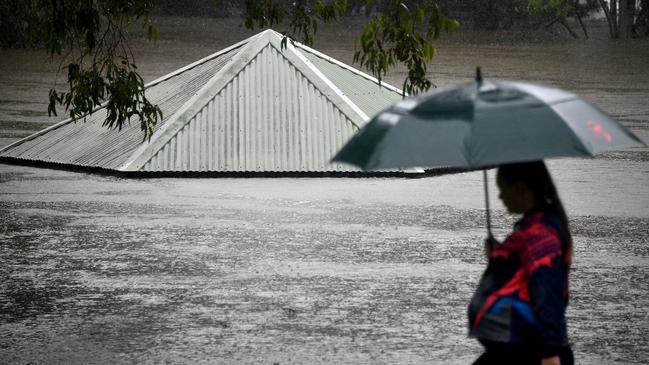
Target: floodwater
(100, 269)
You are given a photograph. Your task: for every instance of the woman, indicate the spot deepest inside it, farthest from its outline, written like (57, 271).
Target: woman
(518, 310)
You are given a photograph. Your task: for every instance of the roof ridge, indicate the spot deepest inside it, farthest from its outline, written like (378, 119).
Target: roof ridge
(348, 67)
(329, 84)
(184, 114)
(199, 62)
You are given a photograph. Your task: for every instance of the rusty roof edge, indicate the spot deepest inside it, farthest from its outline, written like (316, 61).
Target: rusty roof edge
(146, 151)
(349, 68)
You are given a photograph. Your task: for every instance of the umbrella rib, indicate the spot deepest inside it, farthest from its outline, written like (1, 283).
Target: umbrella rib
(564, 100)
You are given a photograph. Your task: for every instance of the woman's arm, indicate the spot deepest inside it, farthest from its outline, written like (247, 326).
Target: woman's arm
(554, 360)
(489, 244)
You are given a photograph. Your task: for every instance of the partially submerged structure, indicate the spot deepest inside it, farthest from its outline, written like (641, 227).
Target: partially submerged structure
(255, 107)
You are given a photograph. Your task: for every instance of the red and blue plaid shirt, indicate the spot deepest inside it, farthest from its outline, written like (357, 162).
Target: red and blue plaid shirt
(523, 294)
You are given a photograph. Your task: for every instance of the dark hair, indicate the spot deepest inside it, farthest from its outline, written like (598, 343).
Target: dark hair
(536, 177)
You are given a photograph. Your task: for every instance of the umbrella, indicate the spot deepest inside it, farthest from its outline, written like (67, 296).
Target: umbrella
(482, 124)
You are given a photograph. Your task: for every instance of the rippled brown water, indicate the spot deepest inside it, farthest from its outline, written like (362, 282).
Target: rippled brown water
(99, 269)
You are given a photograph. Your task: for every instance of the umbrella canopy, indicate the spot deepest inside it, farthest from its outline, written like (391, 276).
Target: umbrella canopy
(484, 123)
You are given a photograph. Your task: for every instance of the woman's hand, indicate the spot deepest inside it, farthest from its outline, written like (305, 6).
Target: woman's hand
(554, 360)
(489, 243)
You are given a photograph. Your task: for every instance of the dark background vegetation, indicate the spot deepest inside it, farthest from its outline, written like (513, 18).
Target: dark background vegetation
(479, 14)
(20, 27)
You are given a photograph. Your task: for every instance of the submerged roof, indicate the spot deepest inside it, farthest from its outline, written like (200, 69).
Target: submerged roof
(253, 107)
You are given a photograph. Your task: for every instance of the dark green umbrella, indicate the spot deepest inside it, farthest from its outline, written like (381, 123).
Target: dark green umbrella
(482, 124)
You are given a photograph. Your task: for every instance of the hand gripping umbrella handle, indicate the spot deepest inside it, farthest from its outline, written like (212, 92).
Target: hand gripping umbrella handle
(486, 199)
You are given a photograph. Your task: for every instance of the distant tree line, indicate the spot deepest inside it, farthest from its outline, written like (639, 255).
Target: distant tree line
(21, 26)
(630, 15)
(627, 18)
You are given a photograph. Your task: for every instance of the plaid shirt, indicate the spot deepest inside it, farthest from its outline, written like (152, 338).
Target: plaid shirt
(523, 293)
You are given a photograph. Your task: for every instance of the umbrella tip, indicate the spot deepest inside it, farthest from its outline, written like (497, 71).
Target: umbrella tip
(478, 75)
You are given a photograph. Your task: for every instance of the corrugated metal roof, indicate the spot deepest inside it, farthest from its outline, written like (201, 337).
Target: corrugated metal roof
(89, 144)
(362, 89)
(269, 117)
(254, 107)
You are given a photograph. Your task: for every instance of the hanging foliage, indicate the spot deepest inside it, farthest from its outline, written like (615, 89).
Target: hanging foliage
(90, 38)
(101, 70)
(406, 34)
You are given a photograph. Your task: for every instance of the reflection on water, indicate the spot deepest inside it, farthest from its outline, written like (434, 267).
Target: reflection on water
(102, 270)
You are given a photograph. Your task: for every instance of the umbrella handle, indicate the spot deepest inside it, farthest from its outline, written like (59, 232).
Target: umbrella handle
(486, 199)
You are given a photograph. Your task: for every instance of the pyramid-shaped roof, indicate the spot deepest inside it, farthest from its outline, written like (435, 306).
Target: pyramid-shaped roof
(252, 107)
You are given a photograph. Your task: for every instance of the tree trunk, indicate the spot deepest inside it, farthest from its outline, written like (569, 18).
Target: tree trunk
(565, 25)
(612, 24)
(627, 8)
(581, 22)
(641, 26)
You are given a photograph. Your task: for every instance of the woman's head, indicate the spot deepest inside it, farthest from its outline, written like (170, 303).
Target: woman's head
(516, 196)
(527, 185)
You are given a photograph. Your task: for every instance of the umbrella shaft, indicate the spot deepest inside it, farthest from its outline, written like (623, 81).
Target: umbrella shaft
(486, 199)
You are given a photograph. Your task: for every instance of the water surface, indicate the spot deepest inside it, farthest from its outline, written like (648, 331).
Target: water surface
(99, 269)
